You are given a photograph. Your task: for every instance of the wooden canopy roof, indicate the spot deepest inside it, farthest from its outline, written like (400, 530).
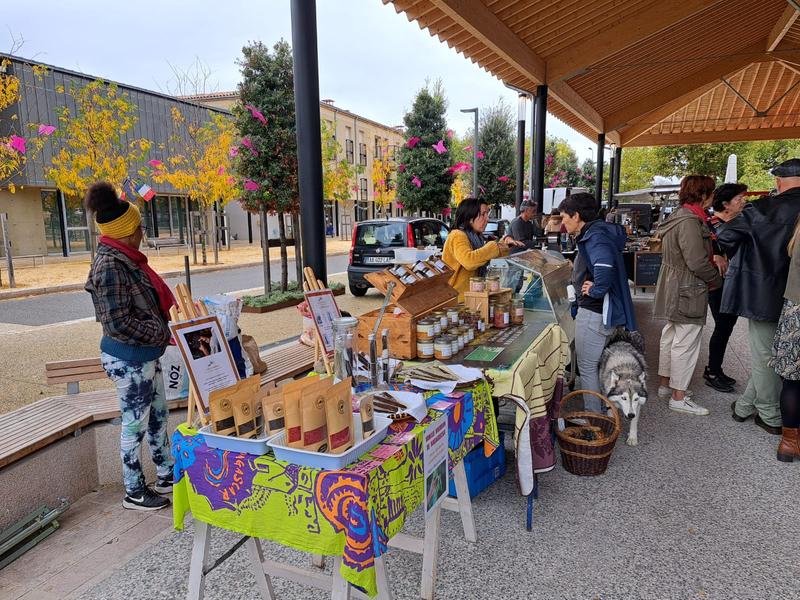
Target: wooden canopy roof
(644, 72)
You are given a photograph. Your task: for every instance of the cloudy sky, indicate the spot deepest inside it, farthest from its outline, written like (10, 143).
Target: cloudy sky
(371, 60)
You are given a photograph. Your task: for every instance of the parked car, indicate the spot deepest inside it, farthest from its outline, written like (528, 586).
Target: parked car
(496, 229)
(374, 242)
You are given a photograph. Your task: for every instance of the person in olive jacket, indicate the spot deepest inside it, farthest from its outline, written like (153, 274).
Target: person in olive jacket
(687, 273)
(755, 282)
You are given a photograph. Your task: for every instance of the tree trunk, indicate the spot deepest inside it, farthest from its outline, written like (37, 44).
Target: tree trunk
(215, 234)
(298, 248)
(265, 251)
(284, 258)
(204, 236)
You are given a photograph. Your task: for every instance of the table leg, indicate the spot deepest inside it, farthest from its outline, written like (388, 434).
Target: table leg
(263, 581)
(197, 565)
(318, 560)
(341, 588)
(430, 553)
(464, 502)
(384, 591)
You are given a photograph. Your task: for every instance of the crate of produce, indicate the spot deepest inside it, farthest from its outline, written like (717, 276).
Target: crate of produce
(482, 471)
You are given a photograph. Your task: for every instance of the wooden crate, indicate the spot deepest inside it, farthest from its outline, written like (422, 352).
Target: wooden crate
(416, 297)
(479, 301)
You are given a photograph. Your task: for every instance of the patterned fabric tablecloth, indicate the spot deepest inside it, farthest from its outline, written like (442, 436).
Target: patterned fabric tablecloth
(351, 512)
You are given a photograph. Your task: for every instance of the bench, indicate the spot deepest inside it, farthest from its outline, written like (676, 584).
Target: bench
(32, 427)
(166, 242)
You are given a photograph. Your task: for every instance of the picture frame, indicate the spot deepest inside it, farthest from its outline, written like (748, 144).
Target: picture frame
(324, 310)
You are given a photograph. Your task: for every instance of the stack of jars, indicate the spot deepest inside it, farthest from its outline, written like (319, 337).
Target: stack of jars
(490, 283)
(445, 333)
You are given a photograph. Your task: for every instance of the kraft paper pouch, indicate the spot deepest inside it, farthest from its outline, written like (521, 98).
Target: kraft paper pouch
(367, 412)
(293, 416)
(225, 402)
(312, 407)
(222, 415)
(243, 398)
(339, 416)
(272, 404)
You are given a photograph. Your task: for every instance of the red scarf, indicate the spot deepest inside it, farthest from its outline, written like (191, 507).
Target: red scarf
(697, 210)
(165, 298)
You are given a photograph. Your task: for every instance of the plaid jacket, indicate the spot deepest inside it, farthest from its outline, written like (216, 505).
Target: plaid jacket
(125, 302)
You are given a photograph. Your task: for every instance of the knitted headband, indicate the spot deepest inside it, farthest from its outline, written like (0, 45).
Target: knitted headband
(123, 226)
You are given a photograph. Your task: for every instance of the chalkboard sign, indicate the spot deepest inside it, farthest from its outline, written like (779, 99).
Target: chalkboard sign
(645, 269)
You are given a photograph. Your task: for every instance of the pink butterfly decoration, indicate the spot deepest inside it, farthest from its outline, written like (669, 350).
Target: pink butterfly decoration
(256, 113)
(249, 145)
(450, 134)
(231, 180)
(503, 178)
(155, 163)
(467, 148)
(399, 205)
(416, 181)
(482, 189)
(412, 141)
(250, 185)
(446, 211)
(401, 168)
(234, 151)
(17, 143)
(480, 154)
(46, 129)
(221, 170)
(439, 147)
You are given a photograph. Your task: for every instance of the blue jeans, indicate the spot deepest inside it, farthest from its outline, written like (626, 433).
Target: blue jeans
(140, 386)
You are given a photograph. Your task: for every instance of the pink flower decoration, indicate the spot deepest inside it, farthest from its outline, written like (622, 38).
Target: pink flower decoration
(482, 189)
(221, 170)
(17, 143)
(155, 163)
(401, 168)
(234, 151)
(374, 193)
(548, 160)
(250, 185)
(412, 141)
(416, 181)
(446, 211)
(503, 178)
(480, 154)
(46, 129)
(462, 167)
(381, 182)
(231, 180)
(400, 205)
(249, 145)
(256, 114)
(467, 148)
(450, 134)
(439, 147)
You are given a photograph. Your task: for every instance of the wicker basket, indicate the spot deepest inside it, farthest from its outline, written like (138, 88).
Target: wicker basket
(582, 457)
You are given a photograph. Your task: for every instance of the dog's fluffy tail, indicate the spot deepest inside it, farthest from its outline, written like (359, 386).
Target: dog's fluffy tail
(634, 338)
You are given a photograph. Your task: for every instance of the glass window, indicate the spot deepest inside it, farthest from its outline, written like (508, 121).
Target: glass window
(76, 214)
(161, 206)
(362, 155)
(51, 213)
(348, 149)
(377, 147)
(382, 235)
(177, 208)
(428, 233)
(77, 227)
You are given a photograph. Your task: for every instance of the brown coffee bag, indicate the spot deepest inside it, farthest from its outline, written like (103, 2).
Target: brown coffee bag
(293, 416)
(312, 407)
(367, 412)
(221, 415)
(339, 416)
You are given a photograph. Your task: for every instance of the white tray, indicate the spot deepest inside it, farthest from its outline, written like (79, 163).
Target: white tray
(324, 460)
(257, 446)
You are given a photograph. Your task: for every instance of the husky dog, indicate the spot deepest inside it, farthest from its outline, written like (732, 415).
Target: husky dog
(623, 376)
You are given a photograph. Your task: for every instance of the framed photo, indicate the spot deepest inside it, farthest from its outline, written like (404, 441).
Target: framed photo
(324, 310)
(206, 354)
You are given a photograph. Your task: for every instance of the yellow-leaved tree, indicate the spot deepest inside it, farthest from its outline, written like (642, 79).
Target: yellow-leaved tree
(384, 190)
(337, 173)
(91, 141)
(198, 162)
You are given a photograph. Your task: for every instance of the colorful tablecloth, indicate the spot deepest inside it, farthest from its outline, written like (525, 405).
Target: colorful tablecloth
(351, 512)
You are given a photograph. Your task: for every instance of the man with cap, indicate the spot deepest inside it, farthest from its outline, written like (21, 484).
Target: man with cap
(757, 240)
(524, 229)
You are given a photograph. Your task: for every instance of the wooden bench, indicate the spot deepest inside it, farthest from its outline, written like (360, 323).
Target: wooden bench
(32, 427)
(167, 242)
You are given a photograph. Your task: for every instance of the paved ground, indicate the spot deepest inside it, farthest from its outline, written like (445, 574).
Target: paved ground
(700, 509)
(68, 306)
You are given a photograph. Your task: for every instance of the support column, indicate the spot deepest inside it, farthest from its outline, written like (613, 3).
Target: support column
(598, 185)
(309, 146)
(612, 166)
(520, 153)
(617, 170)
(539, 141)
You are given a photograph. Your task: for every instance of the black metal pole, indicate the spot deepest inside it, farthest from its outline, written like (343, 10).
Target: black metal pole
(617, 171)
(187, 272)
(539, 141)
(598, 185)
(309, 146)
(520, 153)
(612, 167)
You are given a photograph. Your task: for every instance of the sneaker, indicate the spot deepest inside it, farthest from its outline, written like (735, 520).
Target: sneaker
(725, 379)
(665, 393)
(688, 406)
(145, 500)
(164, 486)
(714, 380)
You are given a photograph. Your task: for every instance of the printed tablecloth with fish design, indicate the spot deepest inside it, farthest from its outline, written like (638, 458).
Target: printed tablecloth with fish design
(352, 512)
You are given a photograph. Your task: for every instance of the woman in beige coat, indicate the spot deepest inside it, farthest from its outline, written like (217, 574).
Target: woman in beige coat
(687, 274)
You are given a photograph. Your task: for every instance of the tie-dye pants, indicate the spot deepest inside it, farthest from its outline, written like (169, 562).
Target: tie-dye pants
(143, 405)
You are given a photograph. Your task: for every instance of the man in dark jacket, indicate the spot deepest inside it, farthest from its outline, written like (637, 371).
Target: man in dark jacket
(524, 228)
(756, 278)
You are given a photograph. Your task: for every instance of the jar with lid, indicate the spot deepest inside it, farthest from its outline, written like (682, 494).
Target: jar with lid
(425, 330)
(437, 326)
(477, 284)
(453, 343)
(425, 348)
(517, 310)
(493, 283)
(452, 316)
(470, 334)
(502, 315)
(344, 336)
(490, 320)
(444, 322)
(462, 337)
(442, 348)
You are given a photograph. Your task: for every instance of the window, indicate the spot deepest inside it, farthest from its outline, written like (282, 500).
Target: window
(363, 190)
(160, 204)
(377, 147)
(382, 235)
(429, 233)
(51, 212)
(348, 151)
(362, 155)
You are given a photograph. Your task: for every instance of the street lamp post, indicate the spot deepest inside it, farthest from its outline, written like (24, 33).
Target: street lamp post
(474, 151)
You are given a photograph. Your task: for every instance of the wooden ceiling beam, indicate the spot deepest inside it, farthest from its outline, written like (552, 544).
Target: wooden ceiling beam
(709, 137)
(782, 27)
(623, 34)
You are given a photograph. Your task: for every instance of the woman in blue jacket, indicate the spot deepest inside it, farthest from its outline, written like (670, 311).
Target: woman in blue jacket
(601, 283)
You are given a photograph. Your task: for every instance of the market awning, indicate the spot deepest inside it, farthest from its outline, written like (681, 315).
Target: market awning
(643, 72)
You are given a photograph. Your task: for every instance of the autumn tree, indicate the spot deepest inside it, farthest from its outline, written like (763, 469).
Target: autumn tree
(337, 173)
(383, 180)
(267, 149)
(91, 140)
(198, 161)
(424, 176)
(496, 145)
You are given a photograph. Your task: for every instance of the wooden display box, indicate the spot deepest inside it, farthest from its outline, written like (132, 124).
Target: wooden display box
(416, 298)
(479, 301)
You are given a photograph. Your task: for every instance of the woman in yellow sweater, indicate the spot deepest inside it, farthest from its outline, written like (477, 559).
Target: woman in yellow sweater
(465, 251)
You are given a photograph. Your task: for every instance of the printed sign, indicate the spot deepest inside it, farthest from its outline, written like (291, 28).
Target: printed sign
(324, 310)
(435, 463)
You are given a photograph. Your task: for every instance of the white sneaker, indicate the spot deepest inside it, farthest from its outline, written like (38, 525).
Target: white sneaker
(688, 406)
(665, 393)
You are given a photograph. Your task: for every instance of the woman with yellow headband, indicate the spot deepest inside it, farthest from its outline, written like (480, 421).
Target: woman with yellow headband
(132, 304)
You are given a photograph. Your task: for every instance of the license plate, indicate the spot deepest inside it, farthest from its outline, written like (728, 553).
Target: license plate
(377, 260)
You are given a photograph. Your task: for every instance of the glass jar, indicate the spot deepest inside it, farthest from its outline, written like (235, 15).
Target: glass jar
(477, 284)
(453, 343)
(437, 326)
(470, 334)
(425, 330)
(502, 315)
(444, 322)
(425, 349)
(517, 311)
(452, 316)
(490, 320)
(442, 348)
(493, 284)
(462, 338)
(343, 352)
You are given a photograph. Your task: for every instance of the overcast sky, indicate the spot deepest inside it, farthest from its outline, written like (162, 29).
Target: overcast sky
(371, 60)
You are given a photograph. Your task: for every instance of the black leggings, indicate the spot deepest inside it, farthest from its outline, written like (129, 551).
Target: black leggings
(723, 327)
(790, 403)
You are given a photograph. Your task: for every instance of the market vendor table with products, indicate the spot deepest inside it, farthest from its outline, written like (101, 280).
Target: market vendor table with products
(351, 513)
